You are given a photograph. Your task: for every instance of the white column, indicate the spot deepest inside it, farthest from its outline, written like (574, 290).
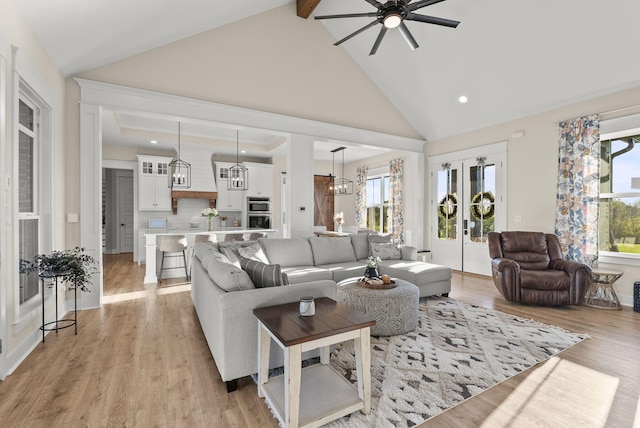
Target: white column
(300, 185)
(90, 201)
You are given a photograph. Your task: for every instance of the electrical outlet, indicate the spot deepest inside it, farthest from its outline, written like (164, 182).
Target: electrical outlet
(517, 218)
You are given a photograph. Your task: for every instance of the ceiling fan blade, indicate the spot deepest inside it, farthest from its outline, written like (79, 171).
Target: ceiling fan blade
(374, 3)
(408, 37)
(349, 15)
(422, 3)
(376, 45)
(432, 20)
(366, 27)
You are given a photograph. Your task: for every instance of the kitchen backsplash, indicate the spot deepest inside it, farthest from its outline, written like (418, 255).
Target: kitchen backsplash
(188, 211)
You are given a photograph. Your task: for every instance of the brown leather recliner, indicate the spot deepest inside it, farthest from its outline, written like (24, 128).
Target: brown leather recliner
(528, 267)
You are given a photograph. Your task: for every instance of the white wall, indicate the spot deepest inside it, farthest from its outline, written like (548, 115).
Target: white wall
(533, 164)
(21, 335)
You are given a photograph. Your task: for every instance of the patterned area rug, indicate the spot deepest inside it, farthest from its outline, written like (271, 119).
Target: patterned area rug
(457, 351)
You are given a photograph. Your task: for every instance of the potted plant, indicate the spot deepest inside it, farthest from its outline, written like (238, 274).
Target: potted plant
(74, 266)
(223, 221)
(372, 267)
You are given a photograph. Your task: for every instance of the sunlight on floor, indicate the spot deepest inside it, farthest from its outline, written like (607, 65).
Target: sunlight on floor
(144, 294)
(575, 395)
(636, 420)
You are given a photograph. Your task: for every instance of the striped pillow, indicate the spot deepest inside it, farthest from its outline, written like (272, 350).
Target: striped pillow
(263, 275)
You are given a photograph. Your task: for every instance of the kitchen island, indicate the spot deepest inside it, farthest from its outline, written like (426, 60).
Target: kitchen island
(152, 253)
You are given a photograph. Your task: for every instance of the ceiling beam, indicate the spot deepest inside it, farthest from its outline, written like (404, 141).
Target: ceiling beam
(305, 7)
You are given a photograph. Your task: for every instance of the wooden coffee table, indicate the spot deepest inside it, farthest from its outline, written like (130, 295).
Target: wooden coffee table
(317, 394)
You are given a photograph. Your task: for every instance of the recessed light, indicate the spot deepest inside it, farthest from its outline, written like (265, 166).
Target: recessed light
(243, 151)
(463, 99)
(153, 142)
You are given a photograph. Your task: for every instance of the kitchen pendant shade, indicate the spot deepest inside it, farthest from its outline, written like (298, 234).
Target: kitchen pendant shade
(238, 174)
(341, 186)
(179, 171)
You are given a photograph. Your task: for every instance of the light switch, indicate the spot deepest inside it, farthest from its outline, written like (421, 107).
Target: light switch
(72, 217)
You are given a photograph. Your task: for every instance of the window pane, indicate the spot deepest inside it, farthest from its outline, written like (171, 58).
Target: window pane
(619, 225)
(28, 250)
(373, 218)
(386, 191)
(26, 173)
(619, 162)
(369, 192)
(482, 202)
(26, 115)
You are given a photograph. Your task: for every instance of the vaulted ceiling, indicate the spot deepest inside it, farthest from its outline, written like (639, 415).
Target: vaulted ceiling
(510, 58)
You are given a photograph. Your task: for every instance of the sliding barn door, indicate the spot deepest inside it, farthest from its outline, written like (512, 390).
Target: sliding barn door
(323, 201)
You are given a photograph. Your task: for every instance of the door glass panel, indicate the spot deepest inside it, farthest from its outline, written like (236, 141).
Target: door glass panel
(26, 177)
(482, 180)
(447, 204)
(28, 250)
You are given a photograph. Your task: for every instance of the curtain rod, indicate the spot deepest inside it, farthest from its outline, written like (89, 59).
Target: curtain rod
(378, 165)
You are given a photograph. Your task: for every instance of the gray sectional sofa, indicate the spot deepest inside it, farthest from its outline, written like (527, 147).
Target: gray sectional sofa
(224, 297)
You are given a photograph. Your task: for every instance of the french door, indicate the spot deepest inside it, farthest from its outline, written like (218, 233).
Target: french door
(468, 200)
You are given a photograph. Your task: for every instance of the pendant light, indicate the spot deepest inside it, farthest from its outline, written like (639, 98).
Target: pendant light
(341, 186)
(238, 174)
(179, 170)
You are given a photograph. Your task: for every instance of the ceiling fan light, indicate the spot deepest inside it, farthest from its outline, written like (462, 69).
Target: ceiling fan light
(392, 20)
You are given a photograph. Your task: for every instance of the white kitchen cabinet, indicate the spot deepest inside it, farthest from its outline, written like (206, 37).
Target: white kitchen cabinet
(228, 200)
(260, 180)
(154, 193)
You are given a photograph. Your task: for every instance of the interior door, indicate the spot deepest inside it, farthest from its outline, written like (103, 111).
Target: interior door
(468, 201)
(125, 214)
(323, 201)
(481, 184)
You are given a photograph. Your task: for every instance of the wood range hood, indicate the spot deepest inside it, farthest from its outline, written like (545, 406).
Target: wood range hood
(192, 194)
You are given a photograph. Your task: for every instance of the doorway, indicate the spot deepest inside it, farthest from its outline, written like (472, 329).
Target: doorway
(323, 202)
(118, 211)
(468, 200)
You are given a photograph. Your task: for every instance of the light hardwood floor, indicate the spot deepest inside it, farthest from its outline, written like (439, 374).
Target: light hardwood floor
(142, 360)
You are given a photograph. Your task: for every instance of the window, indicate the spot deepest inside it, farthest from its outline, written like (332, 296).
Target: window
(378, 203)
(619, 207)
(28, 203)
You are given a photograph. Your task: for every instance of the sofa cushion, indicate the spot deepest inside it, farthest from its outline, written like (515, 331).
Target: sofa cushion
(230, 249)
(416, 272)
(378, 239)
(253, 252)
(263, 275)
(341, 271)
(227, 276)
(360, 245)
(288, 252)
(205, 250)
(299, 274)
(388, 251)
(332, 250)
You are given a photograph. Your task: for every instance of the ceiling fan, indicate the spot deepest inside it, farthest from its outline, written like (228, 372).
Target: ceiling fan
(392, 14)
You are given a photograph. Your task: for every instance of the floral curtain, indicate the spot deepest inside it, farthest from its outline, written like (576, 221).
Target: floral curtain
(578, 188)
(361, 196)
(396, 176)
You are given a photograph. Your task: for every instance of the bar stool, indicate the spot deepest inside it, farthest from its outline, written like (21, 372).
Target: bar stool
(173, 244)
(233, 237)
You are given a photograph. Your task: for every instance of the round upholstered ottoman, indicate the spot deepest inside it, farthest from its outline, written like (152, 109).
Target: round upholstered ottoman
(395, 310)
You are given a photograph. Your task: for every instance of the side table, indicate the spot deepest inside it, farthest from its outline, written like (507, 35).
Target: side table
(54, 277)
(600, 293)
(317, 394)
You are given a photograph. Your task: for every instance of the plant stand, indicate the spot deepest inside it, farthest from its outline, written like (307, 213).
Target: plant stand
(53, 277)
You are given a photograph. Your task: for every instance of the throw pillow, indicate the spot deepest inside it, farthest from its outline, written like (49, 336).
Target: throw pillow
(253, 252)
(228, 277)
(388, 251)
(378, 239)
(263, 275)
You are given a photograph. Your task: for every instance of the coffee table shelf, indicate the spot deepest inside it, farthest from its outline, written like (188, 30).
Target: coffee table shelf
(325, 395)
(317, 394)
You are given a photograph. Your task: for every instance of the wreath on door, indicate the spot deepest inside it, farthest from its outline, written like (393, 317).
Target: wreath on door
(448, 206)
(482, 205)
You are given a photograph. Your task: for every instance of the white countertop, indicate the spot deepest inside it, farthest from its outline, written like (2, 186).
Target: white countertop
(199, 231)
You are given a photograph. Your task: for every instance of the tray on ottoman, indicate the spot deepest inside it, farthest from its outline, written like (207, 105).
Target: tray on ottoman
(366, 283)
